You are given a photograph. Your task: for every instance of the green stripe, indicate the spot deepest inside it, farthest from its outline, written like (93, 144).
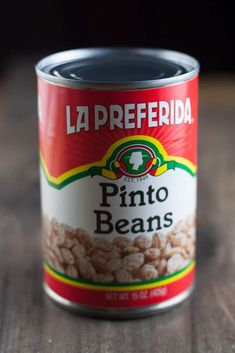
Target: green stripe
(185, 168)
(85, 281)
(67, 181)
(87, 174)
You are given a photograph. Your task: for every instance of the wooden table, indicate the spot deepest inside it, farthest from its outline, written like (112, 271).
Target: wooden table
(29, 322)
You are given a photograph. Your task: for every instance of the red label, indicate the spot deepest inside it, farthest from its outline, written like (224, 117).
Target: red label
(63, 148)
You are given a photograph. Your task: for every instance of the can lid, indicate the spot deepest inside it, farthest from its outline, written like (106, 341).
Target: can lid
(117, 68)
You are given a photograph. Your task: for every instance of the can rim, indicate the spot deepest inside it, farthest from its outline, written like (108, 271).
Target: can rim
(69, 56)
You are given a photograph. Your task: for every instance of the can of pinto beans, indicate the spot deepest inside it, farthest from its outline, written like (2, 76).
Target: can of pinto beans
(118, 164)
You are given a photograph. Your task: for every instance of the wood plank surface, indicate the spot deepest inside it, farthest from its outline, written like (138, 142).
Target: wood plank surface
(29, 322)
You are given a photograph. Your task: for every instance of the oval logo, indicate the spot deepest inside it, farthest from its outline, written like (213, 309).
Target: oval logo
(135, 160)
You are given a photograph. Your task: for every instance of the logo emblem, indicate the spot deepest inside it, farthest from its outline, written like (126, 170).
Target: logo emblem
(136, 160)
(134, 157)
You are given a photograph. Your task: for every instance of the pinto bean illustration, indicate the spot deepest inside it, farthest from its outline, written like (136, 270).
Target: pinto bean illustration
(119, 259)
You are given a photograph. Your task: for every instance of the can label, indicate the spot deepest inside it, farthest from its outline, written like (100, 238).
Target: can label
(118, 186)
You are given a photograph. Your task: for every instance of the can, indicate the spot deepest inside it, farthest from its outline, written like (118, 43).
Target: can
(118, 169)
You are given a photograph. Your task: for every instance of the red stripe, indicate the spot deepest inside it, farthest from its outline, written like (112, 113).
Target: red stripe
(135, 298)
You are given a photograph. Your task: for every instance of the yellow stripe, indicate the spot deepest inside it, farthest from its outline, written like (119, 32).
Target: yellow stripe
(108, 174)
(61, 178)
(162, 169)
(116, 164)
(154, 161)
(121, 288)
(186, 162)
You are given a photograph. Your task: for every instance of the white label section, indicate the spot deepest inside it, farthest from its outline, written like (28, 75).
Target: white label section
(108, 208)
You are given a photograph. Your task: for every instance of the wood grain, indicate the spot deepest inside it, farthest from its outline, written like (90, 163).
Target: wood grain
(29, 322)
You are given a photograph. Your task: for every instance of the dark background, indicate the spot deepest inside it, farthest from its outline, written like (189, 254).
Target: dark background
(204, 29)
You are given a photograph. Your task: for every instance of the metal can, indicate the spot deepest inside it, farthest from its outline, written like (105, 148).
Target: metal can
(118, 164)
